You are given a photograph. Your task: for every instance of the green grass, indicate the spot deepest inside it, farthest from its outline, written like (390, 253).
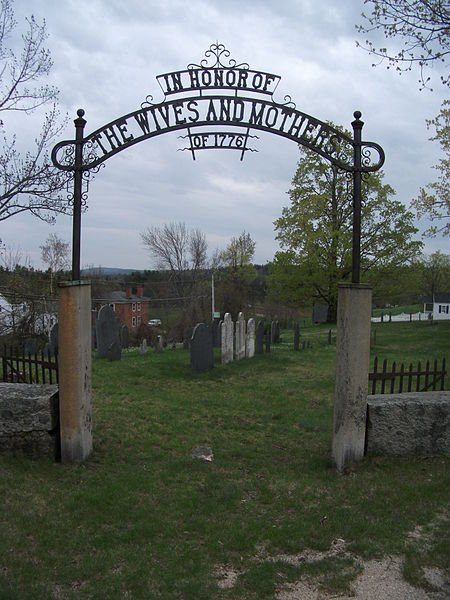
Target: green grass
(141, 519)
(398, 310)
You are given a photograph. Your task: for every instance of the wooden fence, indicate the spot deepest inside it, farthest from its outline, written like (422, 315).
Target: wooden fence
(431, 378)
(18, 367)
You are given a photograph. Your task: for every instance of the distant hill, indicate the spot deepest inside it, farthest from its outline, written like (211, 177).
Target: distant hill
(108, 271)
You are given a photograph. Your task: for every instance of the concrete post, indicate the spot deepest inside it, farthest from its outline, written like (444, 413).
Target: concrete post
(352, 370)
(75, 396)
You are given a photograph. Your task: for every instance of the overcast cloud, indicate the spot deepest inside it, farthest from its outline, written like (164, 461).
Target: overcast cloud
(107, 54)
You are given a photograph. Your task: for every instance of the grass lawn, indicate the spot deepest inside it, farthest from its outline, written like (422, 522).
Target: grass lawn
(141, 519)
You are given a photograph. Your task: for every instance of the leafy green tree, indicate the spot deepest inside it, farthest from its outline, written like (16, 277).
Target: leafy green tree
(435, 203)
(55, 253)
(315, 233)
(237, 273)
(435, 273)
(423, 27)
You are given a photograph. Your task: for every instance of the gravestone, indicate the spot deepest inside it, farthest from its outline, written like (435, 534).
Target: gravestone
(219, 334)
(54, 339)
(259, 341)
(202, 350)
(29, 347)
(277, 332)
(143, 347)
(159, 344)
(296, 336)
(108, 339)
(250, 339)
(227, 339)
(125, 336)
(268, 339)
(240, 337)
(273, 332)
(216, 333)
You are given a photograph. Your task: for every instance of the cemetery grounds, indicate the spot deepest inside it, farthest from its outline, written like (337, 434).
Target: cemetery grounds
(269, 517)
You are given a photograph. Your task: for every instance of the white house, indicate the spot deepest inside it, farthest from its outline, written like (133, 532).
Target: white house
(438, 306)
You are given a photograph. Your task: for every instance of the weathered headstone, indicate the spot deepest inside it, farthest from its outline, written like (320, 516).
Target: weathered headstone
(54, 339)
(259, 341)
(268, 340)
(239, 347)
(227, 339)
(273, 332)
(125, 336)
(29, 347)
(250, 339)
(296, 336)
(108, 339)
(159, 344)
(143, 347)
(202, 350)
(216, 332)
(219, 334)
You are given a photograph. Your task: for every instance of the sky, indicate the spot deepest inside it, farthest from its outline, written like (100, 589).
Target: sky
(107, 55)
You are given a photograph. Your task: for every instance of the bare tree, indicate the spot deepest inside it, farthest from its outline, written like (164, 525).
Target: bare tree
(55, 254)
(183, 253)
(27, 182)
(423, 27)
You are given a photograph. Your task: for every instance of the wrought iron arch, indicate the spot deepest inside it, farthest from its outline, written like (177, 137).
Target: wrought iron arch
(220, 93)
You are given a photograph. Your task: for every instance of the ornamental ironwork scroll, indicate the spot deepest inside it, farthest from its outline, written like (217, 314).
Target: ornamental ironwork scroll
(219, 93)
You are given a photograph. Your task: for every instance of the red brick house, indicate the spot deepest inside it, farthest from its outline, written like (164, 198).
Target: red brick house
(132, 309)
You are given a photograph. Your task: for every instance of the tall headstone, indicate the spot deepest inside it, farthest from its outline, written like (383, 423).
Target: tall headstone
(29, 347)
(159, 344)
(268, 339)
(202, 350)
(296, 336)
(143, 348)
(125, 336)
(54, 339)
(240, 337)
(250, 339)
(259, 342)
(227, 339)
(108, 338)
(219, 334)
(216, 332)
(273, 332)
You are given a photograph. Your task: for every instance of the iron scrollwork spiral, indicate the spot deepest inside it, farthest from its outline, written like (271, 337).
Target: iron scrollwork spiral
(216, 52)
(372, 157)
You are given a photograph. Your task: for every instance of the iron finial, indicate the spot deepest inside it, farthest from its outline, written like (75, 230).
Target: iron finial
(80, 112)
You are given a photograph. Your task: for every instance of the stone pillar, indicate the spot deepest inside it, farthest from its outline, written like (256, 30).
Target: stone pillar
(352, 371)
(74, 357)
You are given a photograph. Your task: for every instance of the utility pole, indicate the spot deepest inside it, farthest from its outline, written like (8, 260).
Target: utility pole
(212, 296)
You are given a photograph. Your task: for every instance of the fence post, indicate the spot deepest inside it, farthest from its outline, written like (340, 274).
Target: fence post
(352, 373)
(75, 397)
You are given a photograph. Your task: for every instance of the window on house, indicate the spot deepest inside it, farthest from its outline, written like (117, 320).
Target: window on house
(113, 306)
(133, 321)
(428, 307)
(443, 309)
(133, 307)
(139, 307)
